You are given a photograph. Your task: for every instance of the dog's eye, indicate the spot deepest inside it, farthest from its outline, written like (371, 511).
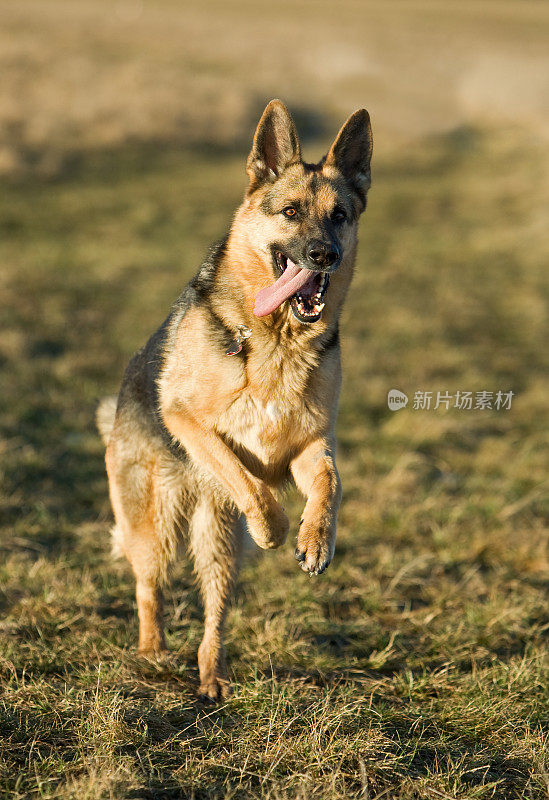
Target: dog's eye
(338, 215)
(289, 212)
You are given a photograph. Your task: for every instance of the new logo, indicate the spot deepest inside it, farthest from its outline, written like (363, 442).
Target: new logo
(396, 400)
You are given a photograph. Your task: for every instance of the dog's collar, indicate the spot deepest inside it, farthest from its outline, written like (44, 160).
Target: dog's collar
(242, 333)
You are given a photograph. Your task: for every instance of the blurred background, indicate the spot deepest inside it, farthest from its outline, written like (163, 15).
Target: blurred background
(124, 127)
(86, 75)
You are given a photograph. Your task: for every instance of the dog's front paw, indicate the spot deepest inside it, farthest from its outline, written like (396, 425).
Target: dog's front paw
(267, 523)
(315, 549)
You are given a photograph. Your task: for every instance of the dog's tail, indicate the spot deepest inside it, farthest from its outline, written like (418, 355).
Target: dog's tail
(104, 417)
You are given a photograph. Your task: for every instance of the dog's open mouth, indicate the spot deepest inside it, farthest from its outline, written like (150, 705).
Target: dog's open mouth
(304, 288)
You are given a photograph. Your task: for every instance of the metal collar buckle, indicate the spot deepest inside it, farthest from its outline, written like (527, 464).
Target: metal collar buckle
(242, 333)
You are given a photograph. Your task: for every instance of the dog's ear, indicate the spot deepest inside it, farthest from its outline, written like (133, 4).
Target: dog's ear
(352, 151)
(275, 146)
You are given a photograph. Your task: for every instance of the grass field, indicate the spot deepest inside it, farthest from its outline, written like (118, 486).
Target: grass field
(416, 667)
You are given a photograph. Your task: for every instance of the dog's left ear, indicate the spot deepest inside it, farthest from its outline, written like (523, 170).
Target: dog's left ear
(351, 152)
(275, 146)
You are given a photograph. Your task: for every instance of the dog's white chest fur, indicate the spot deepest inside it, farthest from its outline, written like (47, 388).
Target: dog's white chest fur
(258, 417)
(272, 411)
(261, 427)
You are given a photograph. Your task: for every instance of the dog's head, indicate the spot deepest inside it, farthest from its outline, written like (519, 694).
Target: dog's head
(301, 219)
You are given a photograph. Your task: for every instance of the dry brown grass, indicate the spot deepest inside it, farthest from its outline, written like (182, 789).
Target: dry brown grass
(416, 667)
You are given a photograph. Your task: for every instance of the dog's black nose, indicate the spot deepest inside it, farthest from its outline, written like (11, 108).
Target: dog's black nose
(322, 254)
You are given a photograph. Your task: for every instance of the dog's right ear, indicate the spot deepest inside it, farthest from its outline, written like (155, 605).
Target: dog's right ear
(275, 146)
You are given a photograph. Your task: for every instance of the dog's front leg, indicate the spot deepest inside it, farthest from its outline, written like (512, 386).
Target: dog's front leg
(316, 477)
(267, 522)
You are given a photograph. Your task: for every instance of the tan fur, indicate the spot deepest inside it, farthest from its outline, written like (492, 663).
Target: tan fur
(240, 426)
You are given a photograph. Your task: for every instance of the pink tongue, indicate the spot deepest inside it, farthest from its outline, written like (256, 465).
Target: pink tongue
(290, 282)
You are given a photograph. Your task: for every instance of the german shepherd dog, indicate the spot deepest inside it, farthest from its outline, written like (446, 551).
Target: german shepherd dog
(236, 393)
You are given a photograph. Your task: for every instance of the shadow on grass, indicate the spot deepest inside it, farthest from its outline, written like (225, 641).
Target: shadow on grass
(140, 156)
(424, 746)
(451, 747)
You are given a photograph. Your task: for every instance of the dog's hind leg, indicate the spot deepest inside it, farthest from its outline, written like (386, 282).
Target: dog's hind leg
(146, 565)
(145, 533)
(216, 536)
(138, 546)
